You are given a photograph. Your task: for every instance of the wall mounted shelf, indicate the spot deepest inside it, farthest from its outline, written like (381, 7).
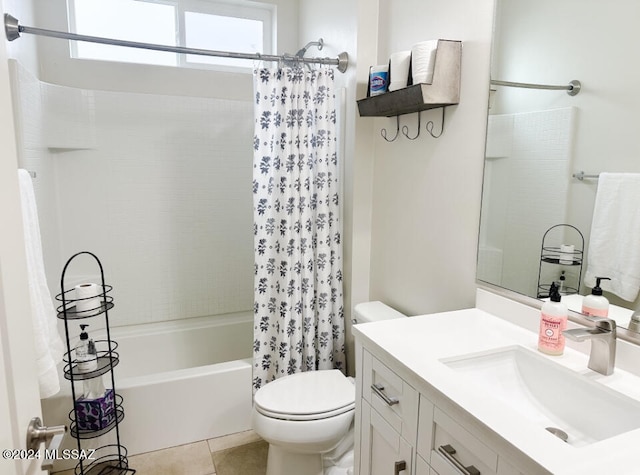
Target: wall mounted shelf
(443, 91)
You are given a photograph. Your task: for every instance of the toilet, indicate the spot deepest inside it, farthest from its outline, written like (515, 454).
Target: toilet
(305, 416)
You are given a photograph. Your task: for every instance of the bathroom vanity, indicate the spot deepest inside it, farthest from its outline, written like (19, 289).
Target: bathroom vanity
(467, 392)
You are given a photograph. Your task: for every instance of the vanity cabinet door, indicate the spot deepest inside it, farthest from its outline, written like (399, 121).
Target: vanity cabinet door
(383, 451)
(422, 467)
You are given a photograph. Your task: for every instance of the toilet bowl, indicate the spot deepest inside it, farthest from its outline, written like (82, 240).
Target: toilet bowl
(306, 415)
(303, 416)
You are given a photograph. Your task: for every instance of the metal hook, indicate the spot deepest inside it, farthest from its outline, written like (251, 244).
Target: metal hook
(383, 132)
(430, 125)
(405, 129)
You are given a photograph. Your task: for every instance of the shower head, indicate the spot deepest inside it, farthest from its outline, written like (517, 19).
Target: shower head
(301, 52)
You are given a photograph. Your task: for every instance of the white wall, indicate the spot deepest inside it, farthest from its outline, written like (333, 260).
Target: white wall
(155, 185)
(19, 395)
(426, 193)
(525, 193)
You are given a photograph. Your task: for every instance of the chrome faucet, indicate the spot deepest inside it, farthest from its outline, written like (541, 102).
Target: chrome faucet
(634, 323)
(603, 344)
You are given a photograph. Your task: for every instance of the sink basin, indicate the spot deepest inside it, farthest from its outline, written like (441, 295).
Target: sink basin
(550, 395)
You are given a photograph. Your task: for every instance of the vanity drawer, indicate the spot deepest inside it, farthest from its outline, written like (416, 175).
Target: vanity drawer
(390, 396)
(455, 449)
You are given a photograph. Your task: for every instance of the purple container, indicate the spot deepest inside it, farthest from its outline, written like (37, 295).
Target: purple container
(95, 414)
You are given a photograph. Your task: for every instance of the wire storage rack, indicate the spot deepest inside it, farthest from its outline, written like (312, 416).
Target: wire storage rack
(569, 260)
(104, 414)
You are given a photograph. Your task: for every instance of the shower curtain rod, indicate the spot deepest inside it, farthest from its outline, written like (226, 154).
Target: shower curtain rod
(13, 29)
(572, 89)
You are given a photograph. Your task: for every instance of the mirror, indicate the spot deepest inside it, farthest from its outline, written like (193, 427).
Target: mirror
(538, 139)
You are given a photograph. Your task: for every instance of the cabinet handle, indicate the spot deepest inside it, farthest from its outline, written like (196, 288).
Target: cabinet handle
(448, 452)
(399, 467)
(378, 389)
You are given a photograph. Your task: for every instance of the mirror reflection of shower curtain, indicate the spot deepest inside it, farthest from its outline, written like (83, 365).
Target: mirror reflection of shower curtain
(299, 321)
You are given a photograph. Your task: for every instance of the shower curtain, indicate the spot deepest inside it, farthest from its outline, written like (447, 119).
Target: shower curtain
(299, 322)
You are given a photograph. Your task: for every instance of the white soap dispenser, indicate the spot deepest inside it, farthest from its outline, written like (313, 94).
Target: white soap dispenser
(596, 305)
(86, 356)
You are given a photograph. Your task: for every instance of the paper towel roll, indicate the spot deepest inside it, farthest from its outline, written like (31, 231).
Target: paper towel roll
(399, 73)
(566, 253)
(88, 297)
(423, 60)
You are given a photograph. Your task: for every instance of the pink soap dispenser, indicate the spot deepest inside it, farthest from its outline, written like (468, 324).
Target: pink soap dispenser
(553, 320)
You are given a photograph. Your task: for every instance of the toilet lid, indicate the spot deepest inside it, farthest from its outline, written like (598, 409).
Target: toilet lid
(308, 395)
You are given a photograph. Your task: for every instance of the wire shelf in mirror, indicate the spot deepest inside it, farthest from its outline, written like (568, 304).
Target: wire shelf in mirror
(555, 255)
(567, 257)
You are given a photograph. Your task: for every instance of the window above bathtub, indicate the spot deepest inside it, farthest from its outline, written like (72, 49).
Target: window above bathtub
(238, 26)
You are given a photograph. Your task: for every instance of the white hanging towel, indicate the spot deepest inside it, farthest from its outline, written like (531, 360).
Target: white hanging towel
(48, 344)
(614, 245)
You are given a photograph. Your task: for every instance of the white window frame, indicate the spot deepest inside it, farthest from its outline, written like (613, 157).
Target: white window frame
(243, 9)
(262, 12)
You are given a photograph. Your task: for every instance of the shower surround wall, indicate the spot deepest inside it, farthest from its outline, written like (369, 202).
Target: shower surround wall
(528, 157)
(158, 186)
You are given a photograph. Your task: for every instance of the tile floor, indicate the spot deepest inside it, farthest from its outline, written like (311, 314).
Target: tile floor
(243, 453)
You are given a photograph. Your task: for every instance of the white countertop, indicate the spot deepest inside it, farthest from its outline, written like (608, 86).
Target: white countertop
(419, 343)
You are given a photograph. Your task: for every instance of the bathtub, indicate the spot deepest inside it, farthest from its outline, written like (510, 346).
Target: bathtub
(181, 382)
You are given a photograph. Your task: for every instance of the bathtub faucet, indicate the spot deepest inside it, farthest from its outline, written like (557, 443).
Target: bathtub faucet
(603, 344)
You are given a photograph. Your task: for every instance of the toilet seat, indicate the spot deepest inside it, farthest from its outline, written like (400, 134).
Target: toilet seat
(305, 417)
(306, 396)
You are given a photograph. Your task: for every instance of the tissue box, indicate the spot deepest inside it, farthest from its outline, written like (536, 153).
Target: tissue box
(95, 414)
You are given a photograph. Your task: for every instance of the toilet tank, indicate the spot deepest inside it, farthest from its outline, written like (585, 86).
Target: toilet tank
(373, 312)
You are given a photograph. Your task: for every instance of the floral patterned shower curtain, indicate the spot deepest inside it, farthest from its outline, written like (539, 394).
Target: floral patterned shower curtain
(299, 323)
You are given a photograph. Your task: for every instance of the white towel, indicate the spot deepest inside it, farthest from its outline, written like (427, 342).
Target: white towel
(423, 61)
(614, 245)
(48, 344)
